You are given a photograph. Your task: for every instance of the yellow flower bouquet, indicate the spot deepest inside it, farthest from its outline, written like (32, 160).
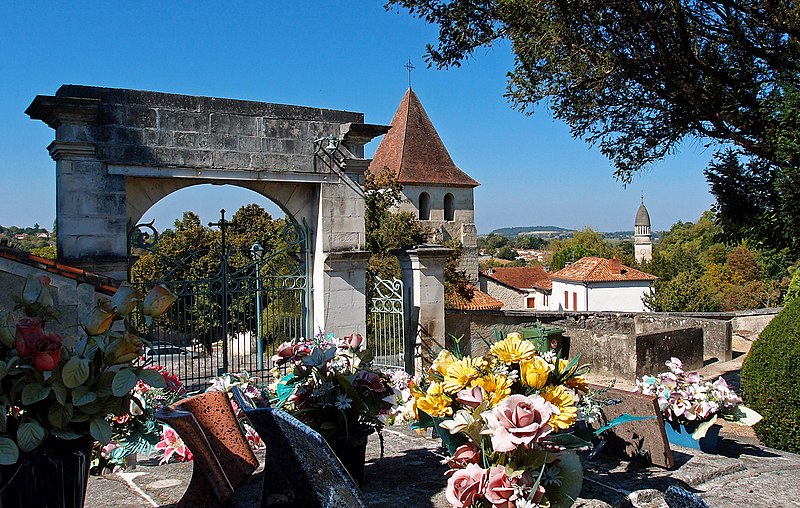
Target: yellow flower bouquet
(507, 419)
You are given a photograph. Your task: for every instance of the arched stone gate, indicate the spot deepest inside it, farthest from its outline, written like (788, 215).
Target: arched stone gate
(120, 151)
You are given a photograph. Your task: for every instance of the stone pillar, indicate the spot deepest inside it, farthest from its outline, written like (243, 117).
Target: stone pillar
(90, 204)
(423, 284)
(340, 260)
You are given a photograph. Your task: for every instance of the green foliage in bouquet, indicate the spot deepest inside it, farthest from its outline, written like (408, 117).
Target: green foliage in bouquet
(68, 388)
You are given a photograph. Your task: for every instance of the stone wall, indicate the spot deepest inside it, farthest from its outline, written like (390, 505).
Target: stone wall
(717, 342)
(748, 324)
(74, 299)
(511, 298)
(610, 342)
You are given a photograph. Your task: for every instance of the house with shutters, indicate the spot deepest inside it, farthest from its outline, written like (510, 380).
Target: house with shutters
(435, 190)
(598, 284)
(518, 287)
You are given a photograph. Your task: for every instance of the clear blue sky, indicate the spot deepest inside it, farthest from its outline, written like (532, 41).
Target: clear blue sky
(338, 55)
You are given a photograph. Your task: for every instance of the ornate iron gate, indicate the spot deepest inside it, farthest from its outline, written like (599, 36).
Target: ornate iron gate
(385, 334)
(234, 305)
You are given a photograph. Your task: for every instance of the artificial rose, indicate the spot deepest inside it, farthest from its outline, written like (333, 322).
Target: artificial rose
(354, 341)
(370, 380)
(100, 319)
(521, 421)
(465, 454)
(125, 299)
(47, 352)
(123, 350)
(472, 397)
(37, 290)
(466, 486)
(157, 301)
(500, 489)
(29, 331)
(284, 353)
(8, 330)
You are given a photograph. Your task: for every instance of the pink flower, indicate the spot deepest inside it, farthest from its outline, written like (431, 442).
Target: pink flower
(472, 397)
(500, 488)
(466, 486)
(353, 341)
(172, 446)
(47, 352)
(522, 420)
(369, 380)
(465, 454)
(29, 331)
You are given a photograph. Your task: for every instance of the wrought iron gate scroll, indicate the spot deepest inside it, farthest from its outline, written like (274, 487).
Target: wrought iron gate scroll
(386, 329)
(231, 312)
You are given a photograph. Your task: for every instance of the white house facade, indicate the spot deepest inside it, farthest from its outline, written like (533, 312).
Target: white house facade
(597, 284)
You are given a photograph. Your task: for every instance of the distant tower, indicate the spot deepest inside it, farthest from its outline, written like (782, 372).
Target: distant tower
(642, 239)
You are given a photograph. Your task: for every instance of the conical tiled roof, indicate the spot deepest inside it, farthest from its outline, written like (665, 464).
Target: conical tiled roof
(414, 152)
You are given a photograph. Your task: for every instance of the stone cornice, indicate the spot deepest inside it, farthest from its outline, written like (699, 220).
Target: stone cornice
(71, 150)
(55, 111)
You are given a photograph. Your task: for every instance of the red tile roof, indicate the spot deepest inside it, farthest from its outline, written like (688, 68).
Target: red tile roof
(522, 277)
(592, 269)
(103, 284)
(479, 301)
(413, 150)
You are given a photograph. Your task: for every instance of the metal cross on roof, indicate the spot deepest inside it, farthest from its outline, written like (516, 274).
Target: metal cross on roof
(410, 68)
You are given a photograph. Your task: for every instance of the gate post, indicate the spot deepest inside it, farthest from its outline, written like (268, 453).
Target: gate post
(91, 211)
(423, 283)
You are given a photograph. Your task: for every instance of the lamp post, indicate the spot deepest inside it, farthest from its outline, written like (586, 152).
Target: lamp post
(257, 252)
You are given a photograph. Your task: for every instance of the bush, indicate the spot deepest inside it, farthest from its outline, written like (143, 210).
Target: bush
(771, 380)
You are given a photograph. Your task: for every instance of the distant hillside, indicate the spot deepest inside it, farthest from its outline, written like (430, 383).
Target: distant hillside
(537, 230)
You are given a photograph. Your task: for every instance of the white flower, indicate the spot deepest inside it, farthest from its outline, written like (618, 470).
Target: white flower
(343, 402)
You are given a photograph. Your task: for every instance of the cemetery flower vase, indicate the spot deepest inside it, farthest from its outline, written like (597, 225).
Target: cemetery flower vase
(55, 475)
(351, 450)
(681, 435)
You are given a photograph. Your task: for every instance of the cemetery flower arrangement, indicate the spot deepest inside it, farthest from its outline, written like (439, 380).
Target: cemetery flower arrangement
(249, 387)
(332, 386)
(138, 431)
(53, 386)
(507, 420)
(687, 399)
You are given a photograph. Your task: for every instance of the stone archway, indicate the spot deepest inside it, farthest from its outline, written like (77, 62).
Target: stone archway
(120, 151)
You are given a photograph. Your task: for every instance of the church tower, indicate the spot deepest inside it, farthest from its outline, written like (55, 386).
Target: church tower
(642, 238)
(435, 189)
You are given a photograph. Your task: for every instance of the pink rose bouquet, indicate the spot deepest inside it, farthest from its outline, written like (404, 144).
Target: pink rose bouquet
(686, 398)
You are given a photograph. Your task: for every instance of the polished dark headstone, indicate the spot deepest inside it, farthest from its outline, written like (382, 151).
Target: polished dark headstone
(300, 469)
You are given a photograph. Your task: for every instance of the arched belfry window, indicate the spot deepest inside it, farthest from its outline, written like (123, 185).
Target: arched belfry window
(449, 208)
(424, 206)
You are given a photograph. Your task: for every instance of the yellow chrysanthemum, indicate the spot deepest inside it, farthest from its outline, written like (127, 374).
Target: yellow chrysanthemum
(462, 372)
(534, 372)
(578, 383)
(435, 402)
(442, 362)
(512, 349)
(496, 386)
(562, 399)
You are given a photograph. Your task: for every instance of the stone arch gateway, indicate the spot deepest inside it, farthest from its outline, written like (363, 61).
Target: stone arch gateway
(120, 151)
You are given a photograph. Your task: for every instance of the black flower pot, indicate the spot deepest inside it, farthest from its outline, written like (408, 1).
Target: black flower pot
(351, 451)
(54, 476)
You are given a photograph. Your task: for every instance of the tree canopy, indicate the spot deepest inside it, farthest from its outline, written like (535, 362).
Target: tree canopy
(636, 78)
